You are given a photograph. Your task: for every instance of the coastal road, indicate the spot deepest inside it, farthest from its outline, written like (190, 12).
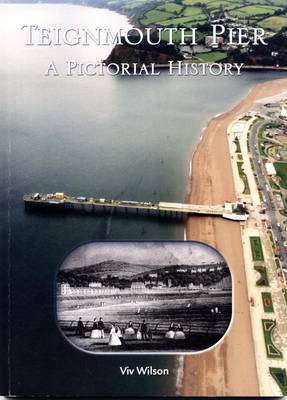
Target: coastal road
(266, 191)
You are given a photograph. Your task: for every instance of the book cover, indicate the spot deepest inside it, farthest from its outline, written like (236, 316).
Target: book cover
(143, 198)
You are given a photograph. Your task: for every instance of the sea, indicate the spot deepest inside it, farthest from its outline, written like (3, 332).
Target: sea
(116, 137)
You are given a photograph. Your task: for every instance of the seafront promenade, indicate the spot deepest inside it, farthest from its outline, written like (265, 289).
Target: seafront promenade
(258, 291)
(225, 371)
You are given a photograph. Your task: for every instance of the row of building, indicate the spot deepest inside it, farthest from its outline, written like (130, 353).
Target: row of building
(96, 289)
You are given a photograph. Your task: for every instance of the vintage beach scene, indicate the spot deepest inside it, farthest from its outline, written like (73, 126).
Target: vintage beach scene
(141, 296)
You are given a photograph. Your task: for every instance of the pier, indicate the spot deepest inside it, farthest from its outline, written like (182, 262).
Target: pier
(233, 211)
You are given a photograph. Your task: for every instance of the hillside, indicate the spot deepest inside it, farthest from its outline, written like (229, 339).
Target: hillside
(271, 15)
(111, 267)
(122, 274)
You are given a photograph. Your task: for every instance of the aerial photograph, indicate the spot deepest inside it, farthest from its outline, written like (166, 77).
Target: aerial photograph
(108, 177)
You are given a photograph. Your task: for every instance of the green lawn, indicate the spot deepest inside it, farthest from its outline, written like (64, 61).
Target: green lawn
(237, 144)
(281, 169)
(263, 280)
(154, 16)
(188, 21)
(228, 5)
(176, 36)
(256, 248)
(243, 177)
(133, 4)
(212, 56)
(277, 2)
(192, 11)
(173, 8)
(254, 11)
(274, 185)
(267, 302)
(192, 2)
(268, 326)
(274, 24)
(280, 377)
(271, 238)
(264, 2)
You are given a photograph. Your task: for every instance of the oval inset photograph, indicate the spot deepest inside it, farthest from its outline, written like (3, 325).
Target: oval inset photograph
(144, 297)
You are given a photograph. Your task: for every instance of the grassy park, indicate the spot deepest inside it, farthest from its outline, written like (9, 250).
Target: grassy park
(268, 326)
(280, 377)
(243, 177)
(212, 56)
(281, 169)
(237, 144)
(271, 238)
(263, 280)
(267, 302)
(256, 248)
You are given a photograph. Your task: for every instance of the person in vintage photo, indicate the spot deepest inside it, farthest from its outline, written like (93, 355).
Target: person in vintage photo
(80, 328)
(95, 334)
(101, 327)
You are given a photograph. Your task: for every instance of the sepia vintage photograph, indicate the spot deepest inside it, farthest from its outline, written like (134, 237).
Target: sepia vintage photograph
(144, 297)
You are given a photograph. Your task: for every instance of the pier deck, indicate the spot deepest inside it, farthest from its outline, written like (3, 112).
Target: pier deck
(234, 211)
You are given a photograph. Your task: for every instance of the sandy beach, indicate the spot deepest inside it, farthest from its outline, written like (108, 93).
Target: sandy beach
(229, 369)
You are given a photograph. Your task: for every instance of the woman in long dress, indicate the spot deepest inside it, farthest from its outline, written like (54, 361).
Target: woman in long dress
(171, 331)
(95, 334)
(130, 329)
(139, 335)
(114, 339)
(179, 334)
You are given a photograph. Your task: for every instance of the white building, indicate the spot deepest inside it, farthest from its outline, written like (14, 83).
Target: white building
(95, 285)
(284, 111)
(270, 169)
(67, 290)
(138, 286)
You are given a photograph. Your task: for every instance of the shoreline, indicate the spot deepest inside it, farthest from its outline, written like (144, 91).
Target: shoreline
(230, 368)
